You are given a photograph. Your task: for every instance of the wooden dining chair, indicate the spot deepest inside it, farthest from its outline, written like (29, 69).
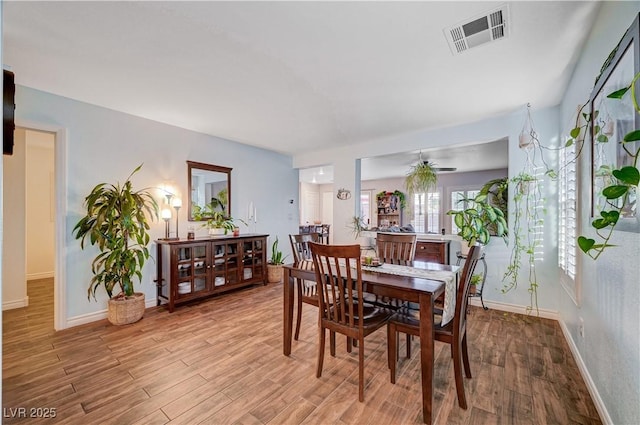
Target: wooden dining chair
(307, 290)
(396, 248)
(393, 248)
(339, 277)
(453, 333)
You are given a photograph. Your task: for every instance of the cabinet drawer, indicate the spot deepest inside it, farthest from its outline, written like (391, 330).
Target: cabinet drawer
(434, 252)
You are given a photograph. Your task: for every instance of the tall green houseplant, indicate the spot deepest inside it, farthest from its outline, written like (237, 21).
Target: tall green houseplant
(117, 221)
(473, 221)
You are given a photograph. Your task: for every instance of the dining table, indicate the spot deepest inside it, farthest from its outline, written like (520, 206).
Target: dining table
(415, 286)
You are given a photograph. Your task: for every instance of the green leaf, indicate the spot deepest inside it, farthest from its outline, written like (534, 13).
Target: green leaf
(613, 192)
(585, 244)
(618, 93)
(458, 220)
(480, 198)
(500, 229)
(600, 223)
(610, 216)
(569, 143)
(629, 175)
(632, 137)
(471, 211)
(575, 132)
(492, 215)
(602, 138)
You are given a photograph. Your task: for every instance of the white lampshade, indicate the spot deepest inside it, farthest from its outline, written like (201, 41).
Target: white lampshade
(177, 202)
(165, 213)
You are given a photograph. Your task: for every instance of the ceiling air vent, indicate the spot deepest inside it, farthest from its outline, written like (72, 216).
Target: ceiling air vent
(488, 27)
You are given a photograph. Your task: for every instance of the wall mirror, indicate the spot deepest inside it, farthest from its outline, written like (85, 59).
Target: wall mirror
(209, 184)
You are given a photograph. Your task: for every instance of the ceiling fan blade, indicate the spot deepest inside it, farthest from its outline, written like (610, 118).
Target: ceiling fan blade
(436, 168)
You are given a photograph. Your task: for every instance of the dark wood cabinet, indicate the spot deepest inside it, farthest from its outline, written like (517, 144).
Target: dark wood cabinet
(433, 251)
(190, 269)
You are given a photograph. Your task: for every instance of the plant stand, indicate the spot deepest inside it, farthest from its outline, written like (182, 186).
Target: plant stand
(479, 288)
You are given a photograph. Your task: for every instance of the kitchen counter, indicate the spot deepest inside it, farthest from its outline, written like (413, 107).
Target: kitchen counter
(436, 237)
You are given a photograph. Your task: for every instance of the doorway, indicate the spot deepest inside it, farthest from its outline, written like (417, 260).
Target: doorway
(31, 216)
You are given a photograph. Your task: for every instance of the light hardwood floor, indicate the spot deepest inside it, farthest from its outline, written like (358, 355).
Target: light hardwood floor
(220, 361)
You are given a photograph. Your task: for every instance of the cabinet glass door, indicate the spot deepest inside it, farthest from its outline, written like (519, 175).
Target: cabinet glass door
(192, 270)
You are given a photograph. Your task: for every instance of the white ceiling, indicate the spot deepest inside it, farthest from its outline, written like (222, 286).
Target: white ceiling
(294, 76)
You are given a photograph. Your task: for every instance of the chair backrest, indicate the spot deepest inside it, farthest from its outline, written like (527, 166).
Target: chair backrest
(339, 278)
(300, 245)
(462, 297)
(396, 248)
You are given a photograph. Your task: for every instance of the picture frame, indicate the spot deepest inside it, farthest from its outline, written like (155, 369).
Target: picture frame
(611, 120)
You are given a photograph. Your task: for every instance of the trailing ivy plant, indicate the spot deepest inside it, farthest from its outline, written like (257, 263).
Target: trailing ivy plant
(623, 185)
(527, 214)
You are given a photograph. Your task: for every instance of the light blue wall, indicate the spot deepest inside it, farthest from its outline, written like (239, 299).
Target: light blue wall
(610, 304)
(105, 146)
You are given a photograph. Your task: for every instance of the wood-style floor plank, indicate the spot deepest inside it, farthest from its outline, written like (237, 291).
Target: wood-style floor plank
(219, 361)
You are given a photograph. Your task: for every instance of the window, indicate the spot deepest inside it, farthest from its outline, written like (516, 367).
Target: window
(567, 217)
(426, 212)
(458, 203)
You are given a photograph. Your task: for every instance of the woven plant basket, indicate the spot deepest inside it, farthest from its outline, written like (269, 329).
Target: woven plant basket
(274, 273)
(123, 311)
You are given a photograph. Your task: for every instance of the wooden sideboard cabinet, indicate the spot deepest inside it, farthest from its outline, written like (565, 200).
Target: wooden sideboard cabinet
(190, 269)
(433, 251)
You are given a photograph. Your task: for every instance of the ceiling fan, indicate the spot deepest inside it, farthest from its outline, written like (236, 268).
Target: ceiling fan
(436, 168)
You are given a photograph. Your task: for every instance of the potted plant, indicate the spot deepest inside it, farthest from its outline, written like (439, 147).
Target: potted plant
(474, 221)
(476, 279)
(497, 191)
(117, 221)
(217, 222)
(275, 263)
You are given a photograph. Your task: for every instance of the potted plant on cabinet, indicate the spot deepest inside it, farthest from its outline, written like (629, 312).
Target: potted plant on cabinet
(117, 221)
(275, 263)
(474, 221)
(217, 222)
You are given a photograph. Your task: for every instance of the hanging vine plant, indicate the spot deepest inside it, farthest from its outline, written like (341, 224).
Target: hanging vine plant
(527, 215)
(421, 178)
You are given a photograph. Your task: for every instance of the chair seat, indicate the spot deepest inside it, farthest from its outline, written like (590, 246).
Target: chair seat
(373, 316)
(411, 318)
(383, 302)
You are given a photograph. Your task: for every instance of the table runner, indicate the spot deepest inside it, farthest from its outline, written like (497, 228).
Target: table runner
(449, 278)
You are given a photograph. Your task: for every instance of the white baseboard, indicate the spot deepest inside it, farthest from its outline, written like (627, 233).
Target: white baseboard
(10, 305)
(99, 315)
(85, 318)
(591, 386)
(514, 308)
(43, 275)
